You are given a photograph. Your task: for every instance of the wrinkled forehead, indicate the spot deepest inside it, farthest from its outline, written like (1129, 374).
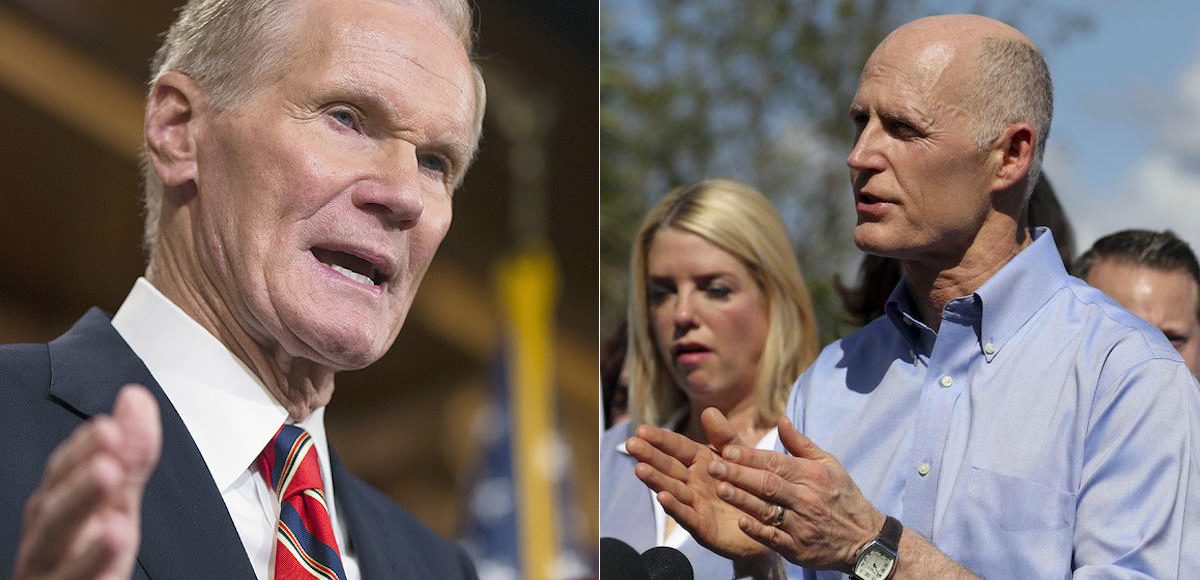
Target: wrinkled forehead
(388, 46)
(415, 29)
(909, 58)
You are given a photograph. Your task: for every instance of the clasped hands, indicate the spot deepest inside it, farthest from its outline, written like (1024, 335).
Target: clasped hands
(725, 495)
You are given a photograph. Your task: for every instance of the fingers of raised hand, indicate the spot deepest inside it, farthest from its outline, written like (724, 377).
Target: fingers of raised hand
(683, 512)
(82, 521)
(798, 443)
(685, 450)
(62, 521)
(748, 503)
(717, 428)
(100, 435)
(648, 454)
(762, 478)
(100, 548)
(136, 412)
(767, 460)
(773, 537)
(660, 482)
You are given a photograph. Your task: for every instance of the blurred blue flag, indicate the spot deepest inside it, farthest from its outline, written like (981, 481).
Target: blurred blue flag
(492, 532)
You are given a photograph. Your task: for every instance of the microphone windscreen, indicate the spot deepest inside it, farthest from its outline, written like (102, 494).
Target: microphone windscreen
(666, 563)
(619, 561)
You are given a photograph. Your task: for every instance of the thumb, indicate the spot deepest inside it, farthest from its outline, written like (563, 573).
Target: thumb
(797, 443)
(718, 430)
(136, 414)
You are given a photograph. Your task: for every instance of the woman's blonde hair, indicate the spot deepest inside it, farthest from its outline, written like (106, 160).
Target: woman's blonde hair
(739, 220)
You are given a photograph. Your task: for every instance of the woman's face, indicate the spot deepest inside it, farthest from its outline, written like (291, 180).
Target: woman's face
(708, 317)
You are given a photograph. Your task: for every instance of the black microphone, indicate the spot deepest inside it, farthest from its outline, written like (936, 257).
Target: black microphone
(619, 561)
(665, 563)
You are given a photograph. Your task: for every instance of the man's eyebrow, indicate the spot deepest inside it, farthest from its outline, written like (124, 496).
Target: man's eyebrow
(370, 96)
(452, 146)
(373, 98)
(893, 116)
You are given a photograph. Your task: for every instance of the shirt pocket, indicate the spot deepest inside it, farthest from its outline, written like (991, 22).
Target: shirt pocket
(1020, 505)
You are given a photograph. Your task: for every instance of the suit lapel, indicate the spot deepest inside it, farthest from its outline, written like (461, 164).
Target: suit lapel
(376, 558)
(186, 530)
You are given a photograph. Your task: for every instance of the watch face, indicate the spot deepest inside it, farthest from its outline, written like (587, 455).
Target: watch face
(875, 564)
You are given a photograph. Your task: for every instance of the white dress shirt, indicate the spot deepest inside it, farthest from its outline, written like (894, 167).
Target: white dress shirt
(229, 414)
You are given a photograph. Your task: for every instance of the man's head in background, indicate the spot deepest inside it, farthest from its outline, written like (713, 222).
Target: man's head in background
(1155, 275)
(301, 159)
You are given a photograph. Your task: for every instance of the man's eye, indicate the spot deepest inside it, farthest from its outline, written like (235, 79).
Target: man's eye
(343, 117)
(434, 163)
(902, 129)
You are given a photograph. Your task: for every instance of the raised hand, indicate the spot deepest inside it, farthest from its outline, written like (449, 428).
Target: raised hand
(83, 521)
(677, 468)
(826, 518)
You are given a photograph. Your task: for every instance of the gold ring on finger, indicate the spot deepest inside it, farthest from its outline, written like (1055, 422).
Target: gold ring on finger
(778, 515)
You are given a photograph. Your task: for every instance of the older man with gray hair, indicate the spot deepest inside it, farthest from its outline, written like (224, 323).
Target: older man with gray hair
(301, 157)
(1002, 419)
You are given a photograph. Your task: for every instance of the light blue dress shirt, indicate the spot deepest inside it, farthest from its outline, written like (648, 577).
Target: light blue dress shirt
(1042, 432)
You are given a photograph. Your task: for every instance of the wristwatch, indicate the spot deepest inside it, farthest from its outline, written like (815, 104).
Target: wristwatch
(877, 559)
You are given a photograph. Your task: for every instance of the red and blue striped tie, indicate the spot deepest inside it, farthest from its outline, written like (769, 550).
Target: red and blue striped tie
(305, 546)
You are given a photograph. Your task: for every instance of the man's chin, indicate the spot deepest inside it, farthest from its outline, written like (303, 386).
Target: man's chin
(350, 359)
(345, 349)
(868, 239)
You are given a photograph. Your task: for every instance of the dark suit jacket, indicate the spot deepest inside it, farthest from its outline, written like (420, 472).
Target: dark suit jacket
(47, 390)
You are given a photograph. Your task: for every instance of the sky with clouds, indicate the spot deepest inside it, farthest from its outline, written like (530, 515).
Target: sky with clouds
(1124, 148)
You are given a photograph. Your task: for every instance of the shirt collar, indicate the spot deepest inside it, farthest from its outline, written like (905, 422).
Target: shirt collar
(226, 408)
(1014, 294)
(901, 311)
(1007, 300)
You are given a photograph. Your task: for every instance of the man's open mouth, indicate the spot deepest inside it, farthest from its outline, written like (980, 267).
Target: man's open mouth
(350, 266)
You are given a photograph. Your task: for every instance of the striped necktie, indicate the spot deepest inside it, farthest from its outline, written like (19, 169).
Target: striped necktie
(305, 546)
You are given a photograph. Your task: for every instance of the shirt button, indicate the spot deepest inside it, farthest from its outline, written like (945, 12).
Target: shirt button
(923, 469)
(946, 382)
(989, 348)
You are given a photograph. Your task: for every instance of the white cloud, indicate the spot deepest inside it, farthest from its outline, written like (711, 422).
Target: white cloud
(1160, 189)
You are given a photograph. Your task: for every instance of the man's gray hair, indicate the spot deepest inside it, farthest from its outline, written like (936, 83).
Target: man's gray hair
(231, 48)
(1013, 85)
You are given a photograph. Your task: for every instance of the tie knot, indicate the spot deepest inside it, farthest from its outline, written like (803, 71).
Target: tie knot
(289, 463)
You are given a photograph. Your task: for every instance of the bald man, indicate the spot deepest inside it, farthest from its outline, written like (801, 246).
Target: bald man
(1002, 418)
(1156, 276)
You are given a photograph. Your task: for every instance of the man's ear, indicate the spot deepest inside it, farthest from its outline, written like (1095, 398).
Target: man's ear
(171, 123)
(1015, 148)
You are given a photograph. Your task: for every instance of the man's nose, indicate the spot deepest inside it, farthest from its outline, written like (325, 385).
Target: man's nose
(865, 155)
(397, 193)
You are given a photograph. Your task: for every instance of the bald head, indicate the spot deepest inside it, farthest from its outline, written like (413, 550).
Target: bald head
(991, 71)
(958, 29)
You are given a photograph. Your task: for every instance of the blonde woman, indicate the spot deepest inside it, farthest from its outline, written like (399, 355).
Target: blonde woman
(719, 316)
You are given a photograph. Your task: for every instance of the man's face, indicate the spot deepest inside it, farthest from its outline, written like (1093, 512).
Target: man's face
(1166, 299)
(920, 180)
(323, 197)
